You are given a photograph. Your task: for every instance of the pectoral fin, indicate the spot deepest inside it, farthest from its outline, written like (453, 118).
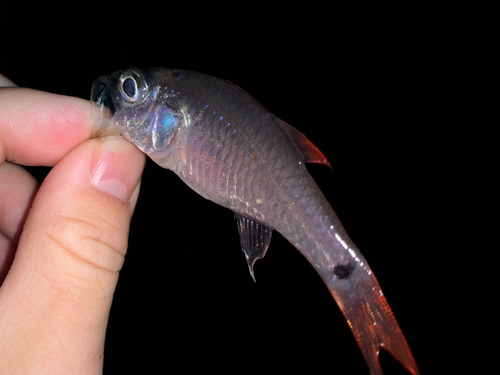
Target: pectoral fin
(254, 239)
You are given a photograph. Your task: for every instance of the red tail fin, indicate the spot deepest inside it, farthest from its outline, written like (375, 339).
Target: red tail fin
(372, 321)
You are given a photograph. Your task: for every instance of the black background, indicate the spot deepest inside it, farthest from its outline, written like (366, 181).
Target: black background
(402, 99)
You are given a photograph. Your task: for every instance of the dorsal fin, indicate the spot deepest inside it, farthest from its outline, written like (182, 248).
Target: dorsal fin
(309, 151)
(254, 240)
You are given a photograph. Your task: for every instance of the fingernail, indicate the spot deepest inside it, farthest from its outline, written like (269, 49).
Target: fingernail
(115, 169)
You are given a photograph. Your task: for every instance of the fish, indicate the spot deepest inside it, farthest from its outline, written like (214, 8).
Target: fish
(230, 149)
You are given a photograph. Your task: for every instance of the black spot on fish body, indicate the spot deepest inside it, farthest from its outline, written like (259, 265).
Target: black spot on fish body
(176, 73)
(343, 271)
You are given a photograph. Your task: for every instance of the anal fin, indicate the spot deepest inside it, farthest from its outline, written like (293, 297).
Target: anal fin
(254, 239)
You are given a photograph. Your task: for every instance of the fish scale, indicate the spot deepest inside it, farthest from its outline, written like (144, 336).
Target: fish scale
(228, 148)
(231, 161)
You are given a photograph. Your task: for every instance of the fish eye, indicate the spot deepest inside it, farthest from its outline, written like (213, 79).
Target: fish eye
(132, 86)
(129, 87)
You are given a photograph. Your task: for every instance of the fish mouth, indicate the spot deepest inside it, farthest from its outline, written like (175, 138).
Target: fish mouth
(103, 108)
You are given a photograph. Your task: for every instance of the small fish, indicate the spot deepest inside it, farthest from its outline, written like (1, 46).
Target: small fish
(231, 150)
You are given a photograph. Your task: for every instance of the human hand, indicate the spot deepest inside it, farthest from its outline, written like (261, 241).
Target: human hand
(62, 244)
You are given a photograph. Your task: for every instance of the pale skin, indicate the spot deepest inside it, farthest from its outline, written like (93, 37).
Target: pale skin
(62, 244)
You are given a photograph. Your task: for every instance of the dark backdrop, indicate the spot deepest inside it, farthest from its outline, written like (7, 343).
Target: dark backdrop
(398, 95)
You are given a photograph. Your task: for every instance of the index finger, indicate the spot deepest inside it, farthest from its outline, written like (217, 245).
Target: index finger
(39, 128)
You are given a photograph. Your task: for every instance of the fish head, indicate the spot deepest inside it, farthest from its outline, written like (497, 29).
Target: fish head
(138, 104)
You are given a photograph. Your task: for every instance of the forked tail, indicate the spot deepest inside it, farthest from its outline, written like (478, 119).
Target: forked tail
(371, 320)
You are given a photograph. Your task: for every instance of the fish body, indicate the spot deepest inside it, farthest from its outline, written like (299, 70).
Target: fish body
(231, 150)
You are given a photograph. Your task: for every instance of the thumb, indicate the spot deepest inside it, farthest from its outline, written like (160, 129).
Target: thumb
(55, 301)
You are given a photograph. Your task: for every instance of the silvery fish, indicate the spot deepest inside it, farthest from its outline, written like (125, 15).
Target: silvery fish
(231, 150)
